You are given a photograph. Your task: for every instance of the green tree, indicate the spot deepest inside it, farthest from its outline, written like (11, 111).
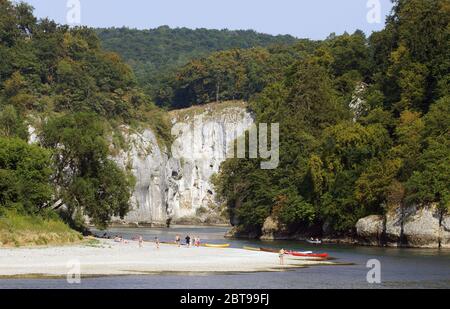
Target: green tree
(430, 179)
(11, 125)
(88, 182)
(25, 172)
(429, 183)
(409, 133)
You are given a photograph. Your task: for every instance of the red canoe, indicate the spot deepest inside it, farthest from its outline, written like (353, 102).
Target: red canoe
(321, 255)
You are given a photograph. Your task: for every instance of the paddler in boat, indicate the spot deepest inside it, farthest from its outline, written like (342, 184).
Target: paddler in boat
(281, 255)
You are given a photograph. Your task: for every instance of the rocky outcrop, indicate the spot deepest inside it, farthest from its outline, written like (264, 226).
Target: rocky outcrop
(445, 232)
(370, 230)
(273, 230)
(393, 227)
(419, 227)
(148, 163)
(174, 185)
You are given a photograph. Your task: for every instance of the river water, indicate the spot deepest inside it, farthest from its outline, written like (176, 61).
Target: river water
(400, 268)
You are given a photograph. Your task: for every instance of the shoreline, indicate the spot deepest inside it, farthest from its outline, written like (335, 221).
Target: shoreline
(230, 234)
(108, 258)
(343, 240)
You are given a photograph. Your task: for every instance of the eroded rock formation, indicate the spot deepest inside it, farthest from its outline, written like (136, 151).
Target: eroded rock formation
(174, 185)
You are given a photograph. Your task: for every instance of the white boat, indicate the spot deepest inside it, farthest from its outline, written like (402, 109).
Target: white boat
(314, 242)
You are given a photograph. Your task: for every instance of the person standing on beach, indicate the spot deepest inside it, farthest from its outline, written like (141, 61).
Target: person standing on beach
(178, 241)
(188, 241)
(197, 241)
(141, 241)
(157, 242)
(281, 255)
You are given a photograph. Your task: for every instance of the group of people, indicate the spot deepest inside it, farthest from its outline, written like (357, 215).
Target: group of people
(140, 240)
(189, 241)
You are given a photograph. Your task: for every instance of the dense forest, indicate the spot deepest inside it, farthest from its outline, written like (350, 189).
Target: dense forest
(364, 127)
(61, 82)
(155, 54)
(364, 121)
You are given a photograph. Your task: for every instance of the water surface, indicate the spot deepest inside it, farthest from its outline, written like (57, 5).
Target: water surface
(400, 268)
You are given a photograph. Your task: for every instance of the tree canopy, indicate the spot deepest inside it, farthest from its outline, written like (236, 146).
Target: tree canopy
(155, 54)
(363, 127)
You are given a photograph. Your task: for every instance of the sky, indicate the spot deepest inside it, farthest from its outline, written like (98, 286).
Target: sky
(314, 19)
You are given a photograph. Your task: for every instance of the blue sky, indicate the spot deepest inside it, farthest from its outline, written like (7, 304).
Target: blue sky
(314, 19)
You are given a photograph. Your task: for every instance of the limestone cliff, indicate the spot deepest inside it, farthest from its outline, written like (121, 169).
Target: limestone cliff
(419, 227)
(173, 183)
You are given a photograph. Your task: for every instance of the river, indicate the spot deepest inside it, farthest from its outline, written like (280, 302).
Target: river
(400, 268)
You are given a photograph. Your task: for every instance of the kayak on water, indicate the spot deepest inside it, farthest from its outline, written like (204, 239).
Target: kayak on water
(314, 242)
(217, 246)
(316, 255)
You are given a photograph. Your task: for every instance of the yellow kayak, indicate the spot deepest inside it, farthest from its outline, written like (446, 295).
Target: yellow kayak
(217, 246)
(252, 249)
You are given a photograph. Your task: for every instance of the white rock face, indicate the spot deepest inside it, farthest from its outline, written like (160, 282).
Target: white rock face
(273, 229)
(370, 229)
(148, 164)
(32, 135)
(173, 185)
(394, 221)
(445, 232)
(419, 227)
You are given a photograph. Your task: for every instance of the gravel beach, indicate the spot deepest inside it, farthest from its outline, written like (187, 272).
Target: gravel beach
(110, 258)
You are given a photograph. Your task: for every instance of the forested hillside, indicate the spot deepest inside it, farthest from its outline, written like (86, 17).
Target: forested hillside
(156, 53)
(364, 121)
(365, 127)
(59, 81)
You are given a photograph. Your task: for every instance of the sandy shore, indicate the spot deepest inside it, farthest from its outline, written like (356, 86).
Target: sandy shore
(110, 258)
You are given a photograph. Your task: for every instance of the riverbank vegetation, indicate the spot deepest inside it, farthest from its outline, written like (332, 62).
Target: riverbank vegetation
(18, 230)
(364, 127)
(62, 92)
(364, 121)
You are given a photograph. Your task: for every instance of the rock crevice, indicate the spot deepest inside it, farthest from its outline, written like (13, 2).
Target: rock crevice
(413, 226)
(175, 186)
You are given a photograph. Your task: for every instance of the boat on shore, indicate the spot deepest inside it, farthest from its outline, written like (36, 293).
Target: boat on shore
(306, 254)
(217, 245)
(305, 258)
(287, 251)
(313, 255)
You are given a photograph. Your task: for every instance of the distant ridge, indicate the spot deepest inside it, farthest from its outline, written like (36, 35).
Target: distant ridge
(153, 53)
